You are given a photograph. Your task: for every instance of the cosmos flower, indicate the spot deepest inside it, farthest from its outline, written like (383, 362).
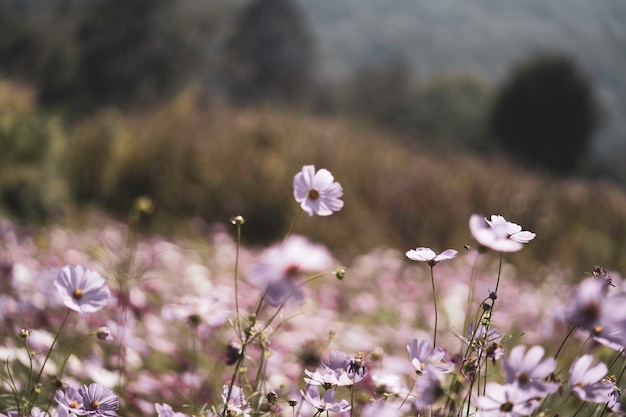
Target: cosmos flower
(82, 289)
(325, 403)
(70, 399)
(506, 401)
(586, 381)
(165, 410)
(528, 370)
(99, 400)
(429, 387)
(196, 311)
(235, 401)
(422, 354)
(317, 192)
(280, 269)
(498, 234)
(604, 317)
(338, 369)
(429, 256)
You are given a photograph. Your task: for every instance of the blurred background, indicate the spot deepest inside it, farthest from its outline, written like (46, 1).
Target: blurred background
(426, 112)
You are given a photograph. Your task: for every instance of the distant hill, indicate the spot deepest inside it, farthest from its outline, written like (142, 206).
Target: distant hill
(485, 37)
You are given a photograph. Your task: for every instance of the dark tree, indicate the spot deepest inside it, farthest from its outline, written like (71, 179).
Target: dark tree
(270, 54)
(132, 50)
(546, 113)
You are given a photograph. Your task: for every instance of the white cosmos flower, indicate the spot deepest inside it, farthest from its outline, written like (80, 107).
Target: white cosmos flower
(317, 192)
(429, 256)
(498, 234)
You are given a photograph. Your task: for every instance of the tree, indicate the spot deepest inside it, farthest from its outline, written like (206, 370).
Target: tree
(270, 54)
(545, 113)
(132, 50)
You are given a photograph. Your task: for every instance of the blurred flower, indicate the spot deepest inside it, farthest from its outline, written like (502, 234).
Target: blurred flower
(99, 400)
(235, 401)
(429, 256)
(381, 409)
(428, 387)
(196, 311)
(506, 401)
(165, 410)
(325, 403)
(586, 383)
(82, 289)
(527, 370)
(280, 269)
(316, 192)
(422, 354)
(498, 234)
(603, 317)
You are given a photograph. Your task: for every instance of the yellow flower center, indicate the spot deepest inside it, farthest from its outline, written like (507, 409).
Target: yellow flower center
(73, 404)
(78, 294)
(314, 194)
(95, 404)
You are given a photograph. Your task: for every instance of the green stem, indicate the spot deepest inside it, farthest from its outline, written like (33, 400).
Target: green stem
(571, 330)
(56, 337)
(292, 226)
(237, 274)
(432, 281)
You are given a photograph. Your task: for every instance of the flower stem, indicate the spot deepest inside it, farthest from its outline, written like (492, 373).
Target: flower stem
(236, 276)
(293, 224)
(56, 337)
(432, 281)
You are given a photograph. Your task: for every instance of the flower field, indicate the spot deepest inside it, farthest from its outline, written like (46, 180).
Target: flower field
(107, 322)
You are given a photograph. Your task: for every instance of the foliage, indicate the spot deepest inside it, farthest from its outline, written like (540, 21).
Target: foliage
(270, 53)
(451, 107)
(30, 187)
(545, 114)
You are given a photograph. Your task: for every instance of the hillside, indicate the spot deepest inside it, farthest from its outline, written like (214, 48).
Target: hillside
(213, 163)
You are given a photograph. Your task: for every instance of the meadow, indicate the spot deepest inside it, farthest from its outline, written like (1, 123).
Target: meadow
(185, 261)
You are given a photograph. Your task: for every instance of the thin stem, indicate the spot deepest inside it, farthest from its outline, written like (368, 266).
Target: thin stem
(293, 224)
(56, 337)
(571, 330)
(432, 281)
(470, 291)
(237, 274)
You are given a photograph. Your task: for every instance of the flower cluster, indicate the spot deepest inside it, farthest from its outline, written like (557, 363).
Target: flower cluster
(274, 343)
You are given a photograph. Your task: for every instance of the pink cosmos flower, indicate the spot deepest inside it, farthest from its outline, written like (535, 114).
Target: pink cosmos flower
(528, 370)
(70, 399)
(165, 410)
(506, 401)
(280, 269)
(498, 234)
(429, 256)
(317, 192)
(235, 401)
(82, 289)
(99, 400)
(429, 387)
(422, 354)
(586, 381)
(325, 403)
(604, 317)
